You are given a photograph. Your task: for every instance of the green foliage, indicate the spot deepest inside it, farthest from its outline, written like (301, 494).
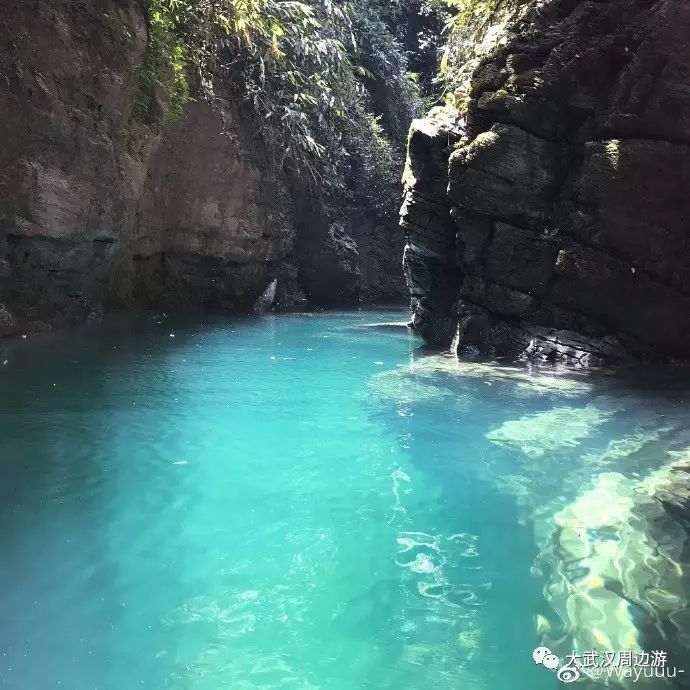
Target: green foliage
(163, 88)
(368, 168)
(381, 166)
(326, 82)
(118, 29)
(472, 28)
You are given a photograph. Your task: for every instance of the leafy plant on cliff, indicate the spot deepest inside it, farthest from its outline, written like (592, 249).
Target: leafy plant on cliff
(326, 82)
(163, 88)
(472, 29)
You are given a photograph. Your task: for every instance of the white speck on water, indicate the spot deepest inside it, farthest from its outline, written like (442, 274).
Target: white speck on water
(408, 627)
(180, 462)
(172, 335)
(5, 362)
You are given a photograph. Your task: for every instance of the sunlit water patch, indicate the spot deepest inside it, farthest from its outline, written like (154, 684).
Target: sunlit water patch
(311, 502)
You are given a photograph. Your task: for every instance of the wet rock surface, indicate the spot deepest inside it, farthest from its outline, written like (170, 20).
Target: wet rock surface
(552, 221)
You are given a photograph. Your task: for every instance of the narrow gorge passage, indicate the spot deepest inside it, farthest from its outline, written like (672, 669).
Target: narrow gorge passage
(344, 345)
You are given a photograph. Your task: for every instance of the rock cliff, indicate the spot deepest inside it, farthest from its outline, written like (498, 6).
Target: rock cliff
(100, 207)
(552, 219)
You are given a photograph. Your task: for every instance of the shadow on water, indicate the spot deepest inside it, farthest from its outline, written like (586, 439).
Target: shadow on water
(481, 581)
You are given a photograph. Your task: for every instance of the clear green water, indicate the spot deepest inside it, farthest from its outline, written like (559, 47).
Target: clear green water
(288, 502)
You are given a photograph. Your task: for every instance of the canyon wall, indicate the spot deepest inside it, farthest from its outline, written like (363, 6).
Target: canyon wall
(101, 207)
(552, 218)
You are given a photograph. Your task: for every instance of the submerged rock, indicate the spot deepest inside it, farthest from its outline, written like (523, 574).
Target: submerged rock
(611, 533)
(619, 571)
(541, 433)
(443, 372)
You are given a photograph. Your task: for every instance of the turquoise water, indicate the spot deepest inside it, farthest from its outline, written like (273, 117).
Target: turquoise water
(293, 502)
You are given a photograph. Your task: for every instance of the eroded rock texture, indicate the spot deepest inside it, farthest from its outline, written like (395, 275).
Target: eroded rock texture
(64, 200)
(99, 206)
(213, 228)
(554, 220)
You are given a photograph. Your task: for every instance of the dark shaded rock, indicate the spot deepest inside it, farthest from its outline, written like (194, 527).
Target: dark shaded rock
(289, 295)
(505, 173)
(569, 196)
(67, 85)
(431, 272)
(434, 286)
(520, 259)
(430, 143)
(7, 323)
(428, 224)
(504, 300)
(472, 238)
(629, 198)
(212, 226)
(380, 249)
(627, 301)
(327, 256)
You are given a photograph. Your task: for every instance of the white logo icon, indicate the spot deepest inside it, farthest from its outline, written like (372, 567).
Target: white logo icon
(551, 661)
(539, 653)
(544, 657)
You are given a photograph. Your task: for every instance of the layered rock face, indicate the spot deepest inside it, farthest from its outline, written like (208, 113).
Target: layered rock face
(99, 208)
(554, 220)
